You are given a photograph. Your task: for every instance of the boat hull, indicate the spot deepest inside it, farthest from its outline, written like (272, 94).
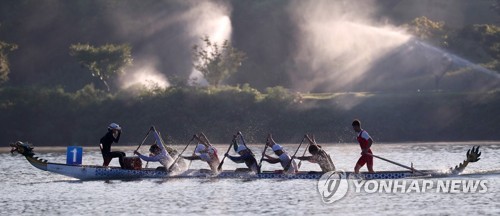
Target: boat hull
(89, 172)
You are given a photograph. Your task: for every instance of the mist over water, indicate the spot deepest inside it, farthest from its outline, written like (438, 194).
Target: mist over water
(208, 19)
(165, 38)
(146, 75)
(342, 46)
(338, 42)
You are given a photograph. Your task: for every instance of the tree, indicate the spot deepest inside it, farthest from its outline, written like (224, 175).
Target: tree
(495, 6)
(487, 39)
(428, 30)
(5, 48)
(104, 62)
(216, 62)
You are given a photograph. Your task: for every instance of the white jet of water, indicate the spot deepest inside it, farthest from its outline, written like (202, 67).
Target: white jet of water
(146, 76)
(338, 42)
(210, 19)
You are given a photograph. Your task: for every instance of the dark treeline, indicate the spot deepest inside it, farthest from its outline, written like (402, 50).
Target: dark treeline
(55, 117)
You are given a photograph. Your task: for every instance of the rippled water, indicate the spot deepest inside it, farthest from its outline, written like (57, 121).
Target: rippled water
(29, 191)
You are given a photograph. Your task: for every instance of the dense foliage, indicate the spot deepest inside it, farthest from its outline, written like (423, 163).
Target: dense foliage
(56, 117)
(262, 29)
(105, 62)
(217, 62)
(5, 48)
(51, 99)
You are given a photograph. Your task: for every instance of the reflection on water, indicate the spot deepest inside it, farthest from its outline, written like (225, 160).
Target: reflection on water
(26, 190)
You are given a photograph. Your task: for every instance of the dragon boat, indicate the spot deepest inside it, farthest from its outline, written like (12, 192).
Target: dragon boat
(93, 172)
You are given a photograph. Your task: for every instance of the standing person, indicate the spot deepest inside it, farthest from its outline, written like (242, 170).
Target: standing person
(283, 157)
(365, 142)
(246, 156)
(206, 152)
(112, 136)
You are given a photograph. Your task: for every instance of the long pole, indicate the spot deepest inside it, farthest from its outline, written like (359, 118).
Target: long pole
(228, 149)
(179, 155)
(262, 158)
(144, 140)
(291, 159)
(305, 150)
(396, 163)
(244, 142)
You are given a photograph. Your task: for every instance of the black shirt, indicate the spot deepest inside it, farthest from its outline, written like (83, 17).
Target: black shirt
(108, 139)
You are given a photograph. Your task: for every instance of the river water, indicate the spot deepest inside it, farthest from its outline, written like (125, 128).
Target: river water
(26, 190)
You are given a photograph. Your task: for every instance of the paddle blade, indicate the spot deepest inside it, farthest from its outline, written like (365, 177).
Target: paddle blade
(219, 168)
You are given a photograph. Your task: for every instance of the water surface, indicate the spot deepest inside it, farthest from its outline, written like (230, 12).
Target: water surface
(28, 191)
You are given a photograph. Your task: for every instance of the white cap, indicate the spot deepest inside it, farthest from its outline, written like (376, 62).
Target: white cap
(200, 147)
(241, 148)
(114, 126)
(277, 147)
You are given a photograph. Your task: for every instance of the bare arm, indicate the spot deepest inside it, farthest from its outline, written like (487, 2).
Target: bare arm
(311, 141)
(159, 142)
(204, 139)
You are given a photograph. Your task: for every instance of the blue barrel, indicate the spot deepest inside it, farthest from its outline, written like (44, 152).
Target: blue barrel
(74, 155)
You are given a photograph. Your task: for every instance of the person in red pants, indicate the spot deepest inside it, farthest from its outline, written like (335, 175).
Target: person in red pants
(365, 142)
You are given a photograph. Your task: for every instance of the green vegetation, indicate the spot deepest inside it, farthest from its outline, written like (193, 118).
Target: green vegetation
(480, 42)
(5, 48)
(51, 100)
(55, 117)
(488, 38)
(104, 62)
(217, 62)
(426, 29)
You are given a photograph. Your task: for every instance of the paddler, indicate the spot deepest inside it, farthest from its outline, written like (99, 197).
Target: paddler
(365, 142)
(158, 153)
(319, 156)
(283, 157)
(246, 156)
(206, 152)
(112, 136)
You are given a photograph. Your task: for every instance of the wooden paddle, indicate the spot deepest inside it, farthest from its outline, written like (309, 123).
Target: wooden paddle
(305, 150)
(219, 168)
(396, 163)
(262, 158)
(179, 156)
(146, 137)
(201, 135)
(291, 159)
(144, 140)
(244, 142)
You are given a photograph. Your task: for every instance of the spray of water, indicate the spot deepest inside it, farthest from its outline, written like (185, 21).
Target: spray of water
(170, 33)
(211, 19)
(338, 42)
(145, 75)
(342, 46)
